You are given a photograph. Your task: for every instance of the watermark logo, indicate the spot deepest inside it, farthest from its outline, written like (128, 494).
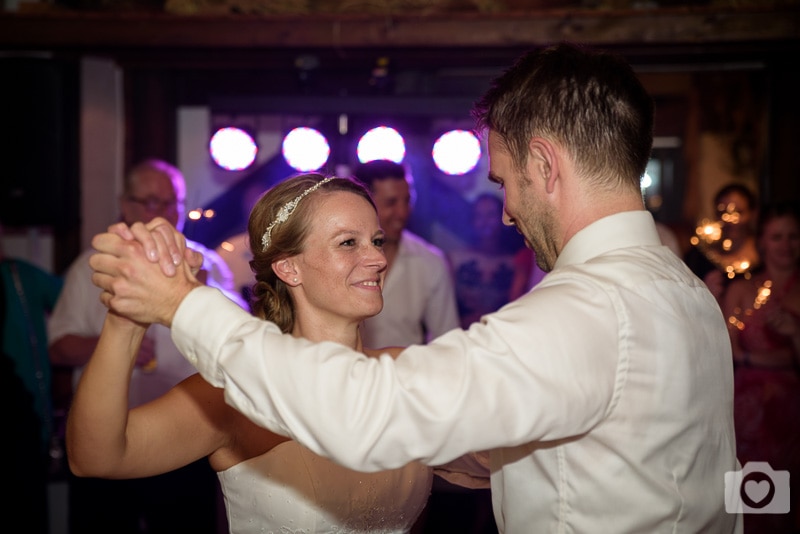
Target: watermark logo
(757, 489)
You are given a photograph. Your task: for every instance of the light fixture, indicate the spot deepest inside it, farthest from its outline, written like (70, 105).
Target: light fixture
(232, 148)
(305, 149)
(456, 152)
(382, 142)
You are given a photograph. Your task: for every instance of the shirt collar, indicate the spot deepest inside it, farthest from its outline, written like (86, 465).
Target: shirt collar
(621, 230)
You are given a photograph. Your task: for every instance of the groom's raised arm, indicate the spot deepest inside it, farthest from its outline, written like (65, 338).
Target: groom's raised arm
(368, 414)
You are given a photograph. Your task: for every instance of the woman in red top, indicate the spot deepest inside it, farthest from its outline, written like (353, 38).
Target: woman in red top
(763, 315)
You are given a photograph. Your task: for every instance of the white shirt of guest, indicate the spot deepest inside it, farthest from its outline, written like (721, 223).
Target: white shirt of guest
(604, 394)
(79, 312)
(419, 301)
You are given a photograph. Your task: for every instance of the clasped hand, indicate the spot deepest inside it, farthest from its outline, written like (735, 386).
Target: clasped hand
(144, 270)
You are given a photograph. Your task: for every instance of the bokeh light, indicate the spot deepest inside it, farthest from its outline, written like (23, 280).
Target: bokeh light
(382, 142)
(232, 148)
(306, 149)
(456, 152)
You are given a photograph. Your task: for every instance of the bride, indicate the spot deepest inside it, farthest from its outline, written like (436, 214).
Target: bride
(319, 267)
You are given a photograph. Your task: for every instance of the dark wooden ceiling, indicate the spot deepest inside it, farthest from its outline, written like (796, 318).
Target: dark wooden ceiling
(687, 26)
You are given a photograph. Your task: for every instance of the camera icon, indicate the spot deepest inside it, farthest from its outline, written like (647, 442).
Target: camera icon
(757, 489)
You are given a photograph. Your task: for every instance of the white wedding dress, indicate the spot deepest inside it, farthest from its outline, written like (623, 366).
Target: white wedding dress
(290, 490)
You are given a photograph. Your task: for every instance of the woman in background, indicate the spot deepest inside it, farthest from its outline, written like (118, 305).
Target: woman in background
(485, 269)
(726, 249)
(764, 322)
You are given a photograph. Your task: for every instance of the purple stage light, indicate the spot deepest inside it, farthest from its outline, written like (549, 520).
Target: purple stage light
(456, 152)
(306, 149)
(382, 142)
(232, 148)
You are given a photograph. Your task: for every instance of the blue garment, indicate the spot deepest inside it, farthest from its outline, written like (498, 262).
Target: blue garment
(25, 332)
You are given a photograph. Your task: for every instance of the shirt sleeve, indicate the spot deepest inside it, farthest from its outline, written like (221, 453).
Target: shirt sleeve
(78, 310)
(441, 313)
(507, 381)
(469, 471)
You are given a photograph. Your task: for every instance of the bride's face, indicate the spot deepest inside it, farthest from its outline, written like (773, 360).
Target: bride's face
(343, 265)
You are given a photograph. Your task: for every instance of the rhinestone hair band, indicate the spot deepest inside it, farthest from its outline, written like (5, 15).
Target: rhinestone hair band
(286, 210)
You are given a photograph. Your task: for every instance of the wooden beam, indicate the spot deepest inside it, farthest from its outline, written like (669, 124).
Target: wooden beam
(677, 25)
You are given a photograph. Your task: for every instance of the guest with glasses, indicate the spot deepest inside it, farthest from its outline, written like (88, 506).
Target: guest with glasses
(154, 204)
(182, 501)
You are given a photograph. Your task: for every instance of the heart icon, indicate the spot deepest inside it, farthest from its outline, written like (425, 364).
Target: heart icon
(757, 491)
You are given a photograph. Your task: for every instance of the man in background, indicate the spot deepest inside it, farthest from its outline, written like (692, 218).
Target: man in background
(182, 501)
(419, 303)
(419, 300)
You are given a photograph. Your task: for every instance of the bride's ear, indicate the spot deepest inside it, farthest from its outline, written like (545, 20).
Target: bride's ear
(286, 271)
